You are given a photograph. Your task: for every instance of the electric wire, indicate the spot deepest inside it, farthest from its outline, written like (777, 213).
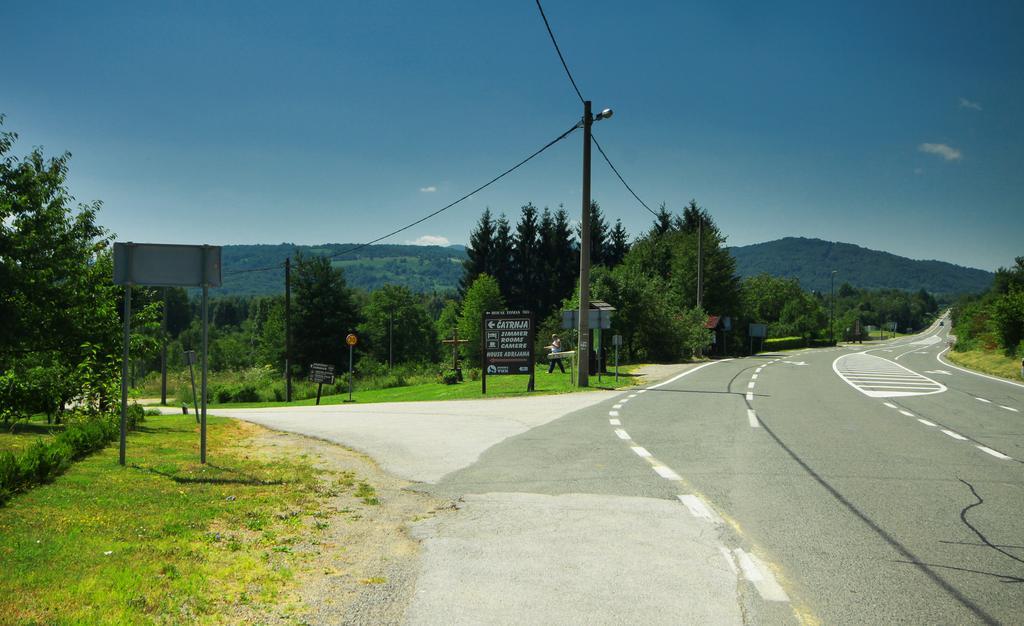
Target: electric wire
(572, 80)
(437, 212)
(559, 51)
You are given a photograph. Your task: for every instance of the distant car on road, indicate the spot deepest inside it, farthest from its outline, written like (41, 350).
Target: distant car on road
(942, 323)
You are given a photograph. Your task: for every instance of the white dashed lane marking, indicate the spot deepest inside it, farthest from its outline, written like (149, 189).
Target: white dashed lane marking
(622, 434)
(890, 405)
(954, 435)
(697, 508)
(983, 400)
(1008, 408)
(617, 406)
(642, 452)
(907, 413)
(750, 397)
(998, 455)
(757, 573)
(666, 472)
(613, 413)
(752, 418)
(926, 422)
(614, 422)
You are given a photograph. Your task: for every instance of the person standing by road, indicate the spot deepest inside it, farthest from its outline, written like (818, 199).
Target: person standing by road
(555, 348)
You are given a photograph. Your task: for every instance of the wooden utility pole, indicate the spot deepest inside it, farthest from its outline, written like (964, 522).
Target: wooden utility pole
(288, 329)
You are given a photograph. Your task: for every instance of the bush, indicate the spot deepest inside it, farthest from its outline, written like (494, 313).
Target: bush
(449, 377)
(784, 343)
(245, 392)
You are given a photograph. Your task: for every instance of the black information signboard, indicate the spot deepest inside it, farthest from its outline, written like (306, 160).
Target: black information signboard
(507, 345)
(321, 373)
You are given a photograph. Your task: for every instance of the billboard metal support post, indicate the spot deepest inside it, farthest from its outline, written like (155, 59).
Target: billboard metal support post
(206, 357)
(350, 373)
(287, 329)
(124, 370)
(163, 354)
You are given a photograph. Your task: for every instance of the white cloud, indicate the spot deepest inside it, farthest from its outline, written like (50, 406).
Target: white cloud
(430, 189)
(430, 240)
(967, 104)
(940, 149)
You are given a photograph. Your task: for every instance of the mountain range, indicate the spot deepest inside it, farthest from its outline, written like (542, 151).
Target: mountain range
(811, 261)
(438, 269)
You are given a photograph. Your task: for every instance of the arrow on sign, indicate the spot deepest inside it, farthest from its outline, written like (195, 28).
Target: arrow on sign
(490, 323)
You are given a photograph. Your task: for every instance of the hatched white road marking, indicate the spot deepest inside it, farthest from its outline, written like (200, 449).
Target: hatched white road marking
(697, 508)
(641, 451)
(1008, 408)
(757, 573)
(954, 435)
(983, 400)
(614, 422)
(881, 378)
(752, 418)
(621, 433)
(926, 422)
(998, 455)
(666, 472)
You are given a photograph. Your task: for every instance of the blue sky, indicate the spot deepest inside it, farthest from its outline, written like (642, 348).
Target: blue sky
(896, 126)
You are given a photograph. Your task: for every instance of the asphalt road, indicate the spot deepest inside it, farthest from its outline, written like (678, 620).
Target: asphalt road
(866, 484)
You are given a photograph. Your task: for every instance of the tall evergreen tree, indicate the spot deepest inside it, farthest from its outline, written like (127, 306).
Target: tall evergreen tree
(527, 259)
(598, 234)
(479, 252)
(618, 245)
(662, 222)
(565, 259)
(502, 269)
(324, 311)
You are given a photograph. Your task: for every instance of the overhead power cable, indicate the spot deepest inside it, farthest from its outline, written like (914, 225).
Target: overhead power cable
(441, 210)
(559, 51)
(609, 162)
(582, 99)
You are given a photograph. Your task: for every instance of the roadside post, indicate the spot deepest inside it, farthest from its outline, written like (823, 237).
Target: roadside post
(190, 356)
(507, 338)
(164, 265)
(351, 340)
(321, 374)
(617, 342)
(757, 330)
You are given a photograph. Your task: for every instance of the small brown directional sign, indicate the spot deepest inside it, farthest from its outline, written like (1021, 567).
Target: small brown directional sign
(508, 342)
(322, 373)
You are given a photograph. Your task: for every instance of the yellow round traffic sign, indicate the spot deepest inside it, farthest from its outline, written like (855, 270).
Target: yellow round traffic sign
(351, 339)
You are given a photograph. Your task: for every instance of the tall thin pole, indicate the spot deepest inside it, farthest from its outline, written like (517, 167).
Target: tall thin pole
(391, 354)
(584, 330)
(700, 260)
(288, 329)
(206, 358)
(163, 354)
(124, 367)
(832, 311)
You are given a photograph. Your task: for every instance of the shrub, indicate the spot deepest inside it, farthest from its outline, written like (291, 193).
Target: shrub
(245, 392)
(449, 377)
(784, 343)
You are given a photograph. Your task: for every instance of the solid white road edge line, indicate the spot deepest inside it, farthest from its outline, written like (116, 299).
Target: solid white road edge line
(686, 373)
(757, 573)
(998, 455)
(697, 508)
(939, 358)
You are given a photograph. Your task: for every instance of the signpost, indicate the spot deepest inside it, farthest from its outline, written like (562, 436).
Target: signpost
(757, 330)
(351, 340)
(321, 374)
(617, 342)
(190, 356)
(164, 265)
(507, 345)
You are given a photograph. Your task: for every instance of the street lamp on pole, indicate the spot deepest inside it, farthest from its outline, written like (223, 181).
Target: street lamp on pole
(583, 342)
(832, 310)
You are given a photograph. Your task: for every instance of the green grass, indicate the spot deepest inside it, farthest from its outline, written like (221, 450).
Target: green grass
(164, 539)
(497, 387)
(18, 436)
(988, 362)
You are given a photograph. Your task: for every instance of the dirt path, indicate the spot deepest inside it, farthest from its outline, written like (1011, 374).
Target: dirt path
(362, 568)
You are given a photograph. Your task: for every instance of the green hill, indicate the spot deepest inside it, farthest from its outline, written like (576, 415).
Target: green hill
(420, 268)
(812, 260)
